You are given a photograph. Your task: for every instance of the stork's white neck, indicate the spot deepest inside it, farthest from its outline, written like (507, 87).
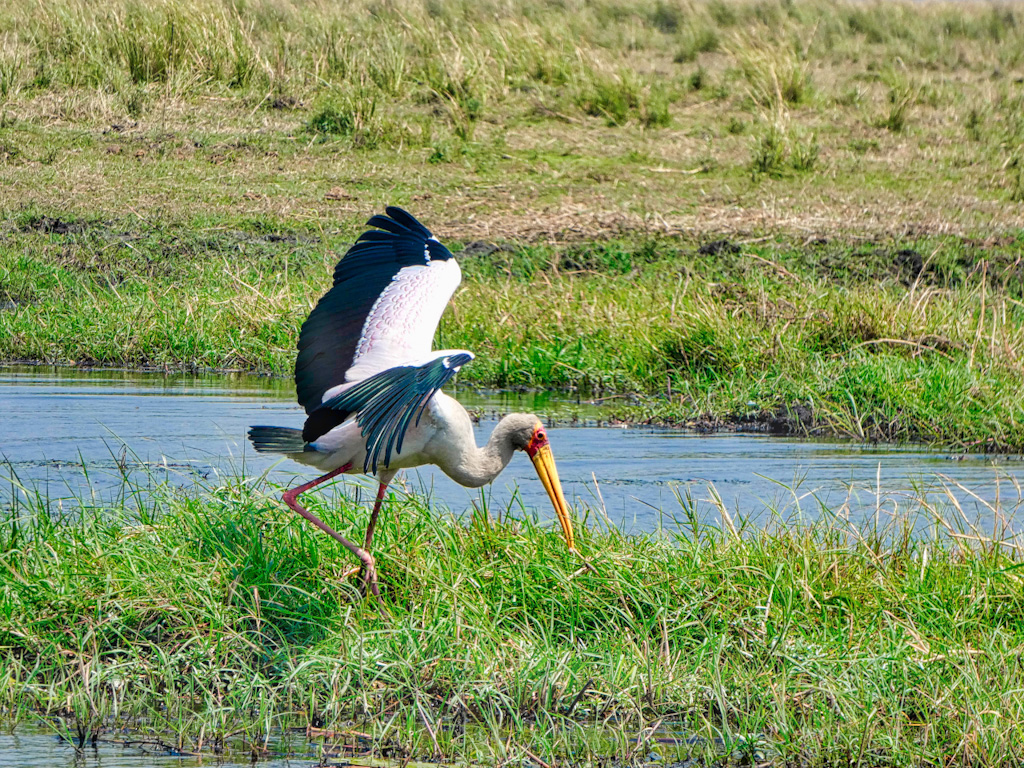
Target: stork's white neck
(479, 466)
(473, 466)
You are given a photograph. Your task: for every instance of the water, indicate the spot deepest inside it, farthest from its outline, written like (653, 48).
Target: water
(33, 746)
(36, 745)
(69, 433)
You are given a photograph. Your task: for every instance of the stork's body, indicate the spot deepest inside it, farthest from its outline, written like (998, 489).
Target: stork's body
(370, 383)
(444, 438)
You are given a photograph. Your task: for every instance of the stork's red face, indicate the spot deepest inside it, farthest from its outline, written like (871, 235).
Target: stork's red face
(539, 451)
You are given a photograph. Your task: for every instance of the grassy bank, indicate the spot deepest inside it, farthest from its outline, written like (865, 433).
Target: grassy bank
(914, 339)
(213, 619)
(522, 119)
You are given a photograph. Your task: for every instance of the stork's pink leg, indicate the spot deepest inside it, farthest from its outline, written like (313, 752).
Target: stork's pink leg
(291, 499)
(369, 532)
(373, 517)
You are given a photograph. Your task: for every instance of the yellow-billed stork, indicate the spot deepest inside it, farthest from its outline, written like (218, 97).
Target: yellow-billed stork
(370, 384)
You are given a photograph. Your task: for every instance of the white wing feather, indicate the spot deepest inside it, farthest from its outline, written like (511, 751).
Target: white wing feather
(401, 324)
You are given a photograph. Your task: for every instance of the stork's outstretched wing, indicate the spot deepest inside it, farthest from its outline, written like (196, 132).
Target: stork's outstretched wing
(389, 292)
(385, 403)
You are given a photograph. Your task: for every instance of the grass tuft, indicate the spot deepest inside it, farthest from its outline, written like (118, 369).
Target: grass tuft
(697, 39)
(769, 152)
(353, 115)
(901, 98)
(805, 153)
(776, 76)
(1016, 174)
(10, 75)
(625, 96)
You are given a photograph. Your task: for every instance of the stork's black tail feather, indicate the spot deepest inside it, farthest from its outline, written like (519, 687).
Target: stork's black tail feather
(277, 440)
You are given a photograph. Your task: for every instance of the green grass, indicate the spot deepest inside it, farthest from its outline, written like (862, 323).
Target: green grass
(195, 107)
(178, 180)
(214, 619)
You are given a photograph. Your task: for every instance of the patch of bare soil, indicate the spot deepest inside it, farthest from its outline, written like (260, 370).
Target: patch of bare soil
(51, 225)
(574, 221)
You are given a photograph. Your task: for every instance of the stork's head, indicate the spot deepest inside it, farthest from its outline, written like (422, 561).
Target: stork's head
(529, 435)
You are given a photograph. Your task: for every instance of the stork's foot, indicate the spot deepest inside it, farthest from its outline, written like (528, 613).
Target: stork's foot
(367, 578)
(369, 574)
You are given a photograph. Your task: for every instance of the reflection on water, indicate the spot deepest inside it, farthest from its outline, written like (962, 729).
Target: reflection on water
(28, 746)
(669, 745)
(67, 434)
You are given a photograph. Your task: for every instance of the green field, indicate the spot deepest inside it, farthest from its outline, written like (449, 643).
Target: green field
(795, 216)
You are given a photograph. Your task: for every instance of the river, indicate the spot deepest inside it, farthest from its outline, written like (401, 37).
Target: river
(69, 434)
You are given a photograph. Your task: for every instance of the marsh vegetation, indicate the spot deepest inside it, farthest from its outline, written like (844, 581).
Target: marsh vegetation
(214, 619)
(865, 341)
(802, 214)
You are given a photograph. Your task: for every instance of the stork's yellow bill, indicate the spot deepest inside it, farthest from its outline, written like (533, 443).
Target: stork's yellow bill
(539, 451)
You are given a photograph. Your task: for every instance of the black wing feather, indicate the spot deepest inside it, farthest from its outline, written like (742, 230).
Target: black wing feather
(384, 405)
(402, 219)
(331, 333)
(376, 419)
